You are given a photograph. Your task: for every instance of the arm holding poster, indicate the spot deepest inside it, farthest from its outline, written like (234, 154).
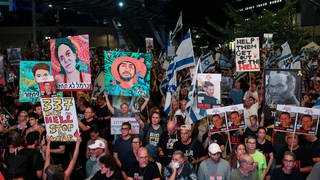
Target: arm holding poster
(51, 171)
(110, 107)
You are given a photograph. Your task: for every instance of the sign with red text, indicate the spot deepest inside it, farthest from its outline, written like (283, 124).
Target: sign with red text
(117, 122)
(217, 120)
(247, 54)
(308, 121)
(60, 118)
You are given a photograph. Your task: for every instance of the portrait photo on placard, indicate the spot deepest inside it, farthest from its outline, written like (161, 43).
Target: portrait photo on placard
(217, 122)
(70, 58)
(127, 73)
(284, 121)
(235, 120)
(307, 124)
(14, 56)
(209, 91)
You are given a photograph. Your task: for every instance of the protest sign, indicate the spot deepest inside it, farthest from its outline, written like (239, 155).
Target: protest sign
(247, 54)
(235, 119)
(116, 123)
(70, 58)
(60, 118)
(308, 120)
(10, 76)
(281, 87)
(149, 44)
(30, 72)
(127, 73)
(14, 56)
(217, 120)
(208, 90)
(47, 87)
(286, 118)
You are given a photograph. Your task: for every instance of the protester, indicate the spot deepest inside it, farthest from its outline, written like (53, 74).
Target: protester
(247, 169)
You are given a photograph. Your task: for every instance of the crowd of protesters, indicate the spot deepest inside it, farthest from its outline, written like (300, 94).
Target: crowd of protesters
(168, 146)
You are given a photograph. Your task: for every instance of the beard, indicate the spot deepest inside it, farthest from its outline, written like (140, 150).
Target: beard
(127, 79)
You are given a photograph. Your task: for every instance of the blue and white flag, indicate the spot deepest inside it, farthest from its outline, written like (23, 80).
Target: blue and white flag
(184, 55)
(172, 88)
(99, 85)
(272, 59)
(178, 27)
(286, 52)
(195, 113)
(207, 62)
(193, 86)
(296, 62)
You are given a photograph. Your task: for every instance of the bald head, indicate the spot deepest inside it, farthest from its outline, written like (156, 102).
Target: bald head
(171, 127)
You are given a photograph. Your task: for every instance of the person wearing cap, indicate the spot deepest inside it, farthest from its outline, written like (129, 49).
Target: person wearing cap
(215, 167)
(96, 151)
(246, 171)
(192, 148)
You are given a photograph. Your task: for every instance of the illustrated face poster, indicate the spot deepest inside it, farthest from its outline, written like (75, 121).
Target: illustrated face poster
(127, 73)
(60, 117)
(70, 60)
(247, 54)
(235, 117)
(308, 120)
(217, 120)
(286, 117)
(14, 56)
(30, 72)
(47, 87)
(208, 90)
(2, 78)
(117, 122)
(281, 87)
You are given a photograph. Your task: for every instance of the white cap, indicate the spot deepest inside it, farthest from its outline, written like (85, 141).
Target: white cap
(214, 148)
(97, 144)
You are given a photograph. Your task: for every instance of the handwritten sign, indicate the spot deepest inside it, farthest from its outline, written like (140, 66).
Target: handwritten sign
(117, 122)
(60, 118)
(247, 54)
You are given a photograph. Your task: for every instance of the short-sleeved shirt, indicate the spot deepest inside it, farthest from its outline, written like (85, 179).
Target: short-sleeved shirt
(265, 148)
(115, 176)
(124, 150)
(278, 174)
(259, 158)
(237, 175)
(187, 173)
(193, 149)
(151, 171)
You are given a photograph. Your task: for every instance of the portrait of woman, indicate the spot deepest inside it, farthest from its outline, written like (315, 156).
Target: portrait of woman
(71, 60)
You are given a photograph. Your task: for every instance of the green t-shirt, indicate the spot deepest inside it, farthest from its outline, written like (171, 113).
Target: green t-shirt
(259, 158)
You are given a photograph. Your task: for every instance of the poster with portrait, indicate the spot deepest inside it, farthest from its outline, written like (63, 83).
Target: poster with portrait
(217, 120)
(209, 94)
(116, 123)
(2, 76)
(70, 58)
(127, 73)
(281, 87)
(308, 121)
(149, 44)
(285, 118)
(235, 117)
(247, 54)
(10, 76)
(118, 100)
(47, 87)
(60, 118)
(14, 56)
(30, 72)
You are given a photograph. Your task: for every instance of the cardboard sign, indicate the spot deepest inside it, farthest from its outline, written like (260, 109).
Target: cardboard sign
(127, 73)
(60, 118)
(70, 60)
(208, 90)
(217, 120)
(117, 122)
(247, 54)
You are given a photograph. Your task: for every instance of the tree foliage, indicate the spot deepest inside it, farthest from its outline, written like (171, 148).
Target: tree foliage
(280, 24)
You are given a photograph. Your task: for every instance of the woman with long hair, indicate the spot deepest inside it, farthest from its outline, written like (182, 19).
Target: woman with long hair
(237, 151)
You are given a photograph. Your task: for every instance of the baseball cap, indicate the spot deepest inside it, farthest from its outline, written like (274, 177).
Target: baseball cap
(214, 148)
(97, 144)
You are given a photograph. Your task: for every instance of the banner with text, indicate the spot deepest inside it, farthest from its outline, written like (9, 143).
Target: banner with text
(117, 122)
(247, 54)
(209, 91)
(60, 118)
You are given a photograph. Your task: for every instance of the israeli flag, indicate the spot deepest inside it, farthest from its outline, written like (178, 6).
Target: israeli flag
(286, 52)
(178, 27)
(172, 88)
(192, 87)
(207, 62)
(184, 55)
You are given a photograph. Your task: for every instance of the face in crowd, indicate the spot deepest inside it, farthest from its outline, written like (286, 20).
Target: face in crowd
(235, 118)
(307, 122)
(285, 120)
(217, 121)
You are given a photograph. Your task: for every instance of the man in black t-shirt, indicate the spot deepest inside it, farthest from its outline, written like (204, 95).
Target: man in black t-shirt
(144, 169)
(192, 148)
(35, 158)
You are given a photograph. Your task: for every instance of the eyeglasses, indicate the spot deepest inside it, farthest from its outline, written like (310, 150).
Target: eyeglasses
(250, 164)
(124, 128)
